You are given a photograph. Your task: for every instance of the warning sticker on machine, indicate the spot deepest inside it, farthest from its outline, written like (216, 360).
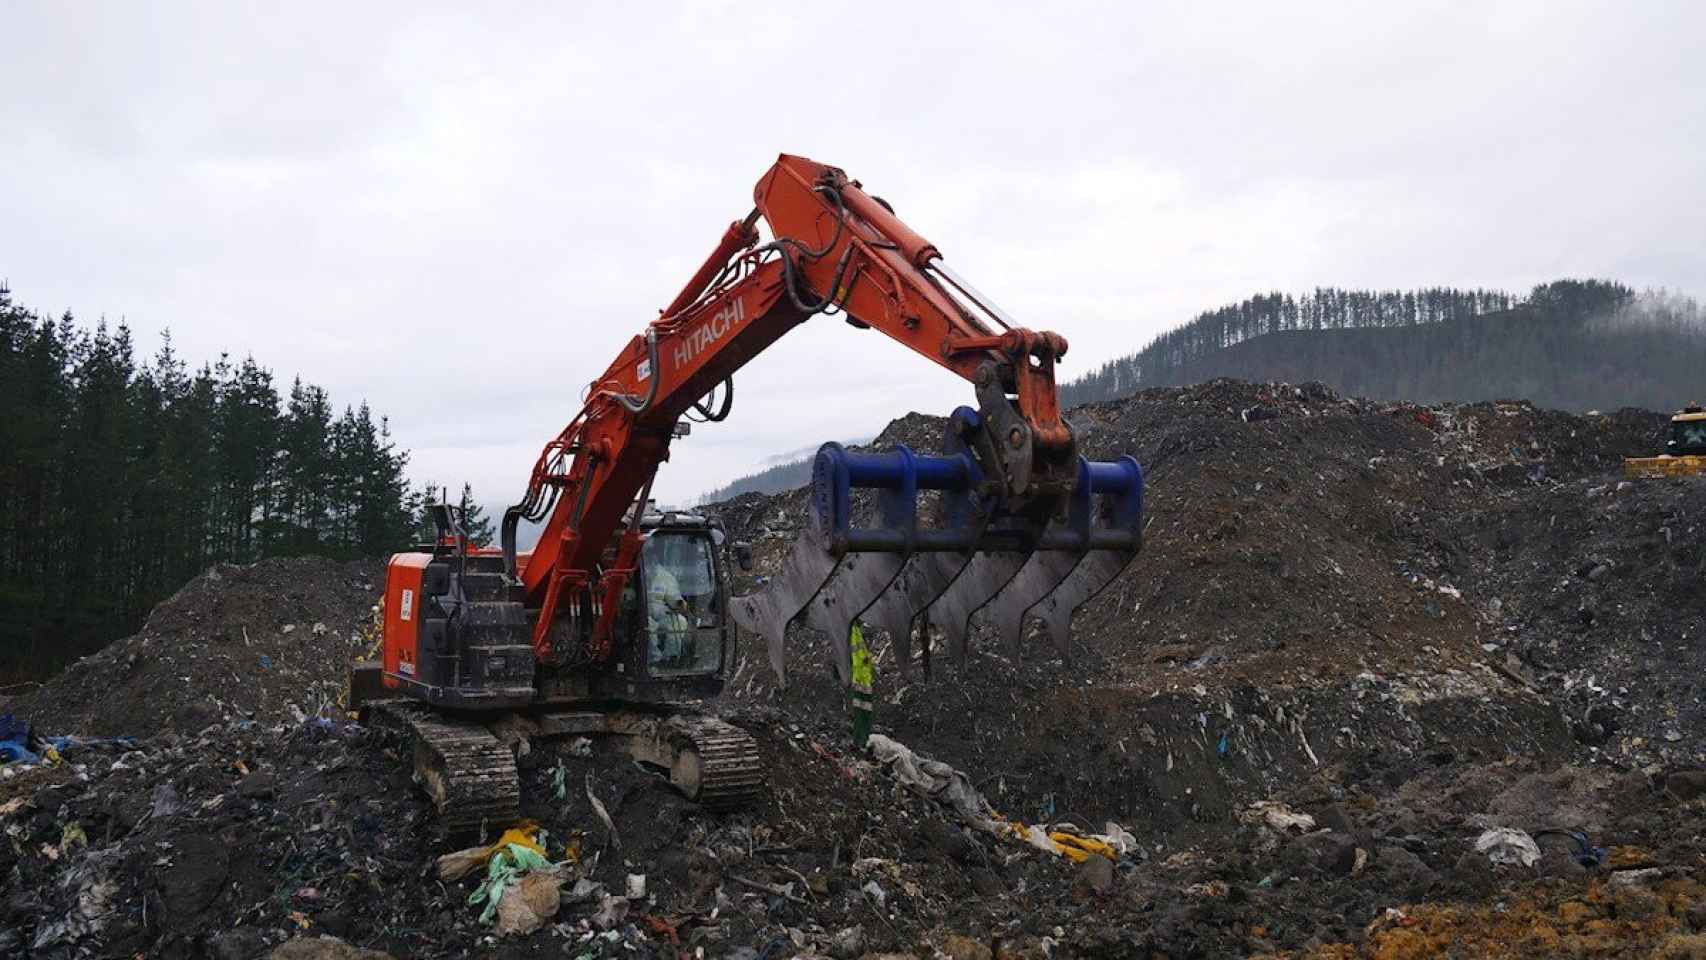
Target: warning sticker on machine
(408, 609)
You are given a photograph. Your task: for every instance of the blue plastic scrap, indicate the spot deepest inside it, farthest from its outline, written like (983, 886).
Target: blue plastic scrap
(17, 745)
(69, 745)
(1585, 853)
(15, 741)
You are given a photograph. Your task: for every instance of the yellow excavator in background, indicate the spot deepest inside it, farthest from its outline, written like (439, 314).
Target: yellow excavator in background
(1685, 452)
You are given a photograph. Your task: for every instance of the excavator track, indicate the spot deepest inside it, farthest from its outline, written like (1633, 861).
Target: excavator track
(468, 773)
(730, 772)
(709, 761)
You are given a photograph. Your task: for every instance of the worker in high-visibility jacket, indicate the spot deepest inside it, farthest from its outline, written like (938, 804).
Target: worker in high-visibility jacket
(864, 676)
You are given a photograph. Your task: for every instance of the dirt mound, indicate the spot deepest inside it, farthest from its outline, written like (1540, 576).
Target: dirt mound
(266, 642)
(1598, 590)
(1283, 520)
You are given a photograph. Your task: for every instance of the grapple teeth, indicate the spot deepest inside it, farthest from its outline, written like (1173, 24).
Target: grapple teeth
(1042, 573)
(857, 581)
(768, 612)
(981, 580)
(892, 572)
(1088, 579)
(922, 580)
(1119, 524)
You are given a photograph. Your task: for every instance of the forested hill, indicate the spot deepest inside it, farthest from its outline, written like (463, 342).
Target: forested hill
(121, 478)
(784, 472)
(1569, 344)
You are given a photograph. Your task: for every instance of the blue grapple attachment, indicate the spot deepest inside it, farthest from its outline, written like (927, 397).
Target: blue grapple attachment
(986, 557)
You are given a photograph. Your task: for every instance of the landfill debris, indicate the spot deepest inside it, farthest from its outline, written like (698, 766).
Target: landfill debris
(512, 858)
(188, 666)
(323, 948)
(936, 780)
(15, 741)
(461, 863)
(1371, 536)
(615, 838)
(529, 903)
(1279, 817)
(1508, 845)
(612, 912)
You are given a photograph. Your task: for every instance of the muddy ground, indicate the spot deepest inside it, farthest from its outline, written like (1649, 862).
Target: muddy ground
(1409, 624)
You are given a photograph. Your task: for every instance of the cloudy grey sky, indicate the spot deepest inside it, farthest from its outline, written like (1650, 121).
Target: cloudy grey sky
(460, 216)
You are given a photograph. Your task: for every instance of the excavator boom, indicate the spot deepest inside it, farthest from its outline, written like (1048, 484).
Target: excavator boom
(833, 247)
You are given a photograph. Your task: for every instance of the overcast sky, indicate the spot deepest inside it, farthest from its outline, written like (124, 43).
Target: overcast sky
(462, 216)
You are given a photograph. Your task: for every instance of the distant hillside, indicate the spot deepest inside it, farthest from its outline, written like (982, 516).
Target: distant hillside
(1569, 345)
(787, 471)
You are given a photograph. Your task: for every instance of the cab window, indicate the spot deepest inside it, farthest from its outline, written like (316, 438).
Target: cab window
(683, 622)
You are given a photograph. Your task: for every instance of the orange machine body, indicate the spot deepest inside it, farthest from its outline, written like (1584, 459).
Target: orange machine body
(403, 596)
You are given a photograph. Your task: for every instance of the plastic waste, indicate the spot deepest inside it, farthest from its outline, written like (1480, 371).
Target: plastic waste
(66, 746)
(1118, 838)
(936, 780)
(15, 741)
(504, 869)
(527, 904)
(612, 911)
(1508, 845)
(1585, 853)
(455, 866)
(1279, 817)
(1079, 849)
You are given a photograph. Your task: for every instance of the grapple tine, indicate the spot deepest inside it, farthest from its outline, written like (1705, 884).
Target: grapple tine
(982, 579)
(837, 570)
(1089, 578)
(768, 612)
(1042, 573)
(857, 581)
(919, 584)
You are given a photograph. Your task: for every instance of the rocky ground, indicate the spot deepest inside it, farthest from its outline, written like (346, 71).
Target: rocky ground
(1359, 637)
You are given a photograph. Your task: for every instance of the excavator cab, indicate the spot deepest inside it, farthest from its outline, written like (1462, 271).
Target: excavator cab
(680, 627)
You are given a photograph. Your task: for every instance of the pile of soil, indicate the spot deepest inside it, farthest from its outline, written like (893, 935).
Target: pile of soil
(266, 642)
(1597, 590)
(1369, 615)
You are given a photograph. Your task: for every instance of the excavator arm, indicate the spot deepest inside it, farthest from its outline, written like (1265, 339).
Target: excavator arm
(833, 248)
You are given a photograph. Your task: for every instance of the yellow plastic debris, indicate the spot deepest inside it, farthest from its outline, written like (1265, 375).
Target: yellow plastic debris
(522, 836)
(455, 866)
(1080, 849)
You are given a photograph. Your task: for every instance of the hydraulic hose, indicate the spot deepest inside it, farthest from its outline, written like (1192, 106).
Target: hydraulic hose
(639, 404)
(722, 412)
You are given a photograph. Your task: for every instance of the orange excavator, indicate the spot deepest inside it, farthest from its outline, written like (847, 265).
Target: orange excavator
(619, 621)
